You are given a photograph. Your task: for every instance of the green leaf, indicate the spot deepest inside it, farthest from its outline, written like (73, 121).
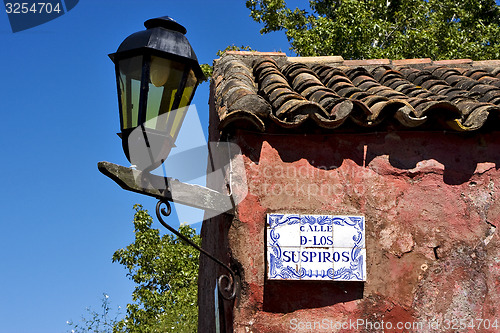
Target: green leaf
(438, 29)
(165, 270)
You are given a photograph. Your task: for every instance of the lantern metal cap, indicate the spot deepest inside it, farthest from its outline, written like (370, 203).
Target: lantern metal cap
(163, 35)
(165, 22)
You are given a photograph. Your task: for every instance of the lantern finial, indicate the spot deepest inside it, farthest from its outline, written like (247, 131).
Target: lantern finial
(165, 22)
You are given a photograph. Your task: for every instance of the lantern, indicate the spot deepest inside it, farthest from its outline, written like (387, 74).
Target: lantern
(157, 73)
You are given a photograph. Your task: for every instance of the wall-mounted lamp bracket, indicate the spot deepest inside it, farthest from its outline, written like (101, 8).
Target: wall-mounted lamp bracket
(168, 189)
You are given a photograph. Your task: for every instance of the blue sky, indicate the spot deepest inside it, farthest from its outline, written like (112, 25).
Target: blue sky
(61, 219)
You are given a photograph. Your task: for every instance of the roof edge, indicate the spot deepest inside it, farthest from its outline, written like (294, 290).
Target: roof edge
(317, 60)
(255, 53)
(281, 58)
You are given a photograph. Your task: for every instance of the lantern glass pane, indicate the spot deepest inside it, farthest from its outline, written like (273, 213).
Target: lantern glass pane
(165, 78)
(129, 79)
(188, 89)
(187, 95)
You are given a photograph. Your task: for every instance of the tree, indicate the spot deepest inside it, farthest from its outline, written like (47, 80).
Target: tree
(165, 270)
(96, 322)
(395, 29)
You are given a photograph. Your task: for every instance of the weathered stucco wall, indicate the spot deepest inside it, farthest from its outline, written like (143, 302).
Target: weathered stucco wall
(431, 202)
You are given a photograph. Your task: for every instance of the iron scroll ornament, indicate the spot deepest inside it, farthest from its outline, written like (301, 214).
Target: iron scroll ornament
(231, 284)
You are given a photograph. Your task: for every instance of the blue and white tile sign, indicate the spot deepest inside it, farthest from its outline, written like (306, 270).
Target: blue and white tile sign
(316, 247)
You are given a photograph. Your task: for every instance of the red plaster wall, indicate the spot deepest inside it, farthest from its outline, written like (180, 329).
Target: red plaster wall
(431, 202)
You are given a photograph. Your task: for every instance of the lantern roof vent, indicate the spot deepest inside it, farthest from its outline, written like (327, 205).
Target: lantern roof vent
(165, 22)
(163, 37)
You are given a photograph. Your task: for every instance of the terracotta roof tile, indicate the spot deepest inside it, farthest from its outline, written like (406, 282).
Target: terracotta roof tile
(269, 92)
(453, 62)
(405, 62)
(367, 62)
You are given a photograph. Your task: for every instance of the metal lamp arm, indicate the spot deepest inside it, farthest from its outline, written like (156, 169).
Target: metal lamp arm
(231, 284)
(168, 189)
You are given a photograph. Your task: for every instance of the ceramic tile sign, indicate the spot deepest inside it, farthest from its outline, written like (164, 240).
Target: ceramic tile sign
(316, 247)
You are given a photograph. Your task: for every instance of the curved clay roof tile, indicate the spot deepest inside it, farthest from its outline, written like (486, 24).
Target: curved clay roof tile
(263, 92)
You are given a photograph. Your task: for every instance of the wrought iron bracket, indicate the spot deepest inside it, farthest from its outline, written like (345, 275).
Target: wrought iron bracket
(231, 286)
(168, 189)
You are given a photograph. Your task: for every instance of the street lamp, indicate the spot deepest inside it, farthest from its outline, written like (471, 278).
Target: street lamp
(157, 73)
